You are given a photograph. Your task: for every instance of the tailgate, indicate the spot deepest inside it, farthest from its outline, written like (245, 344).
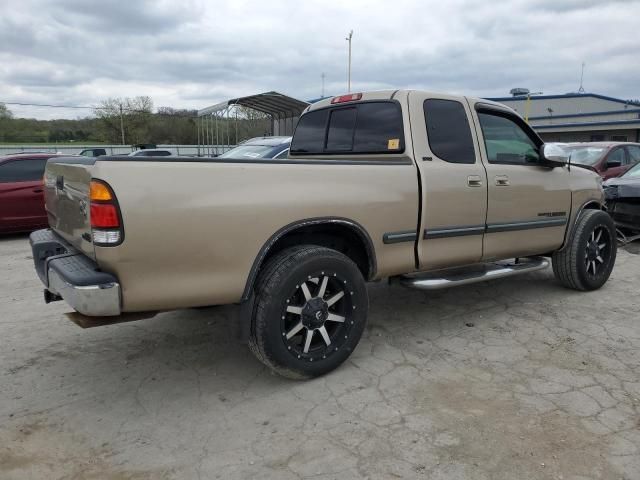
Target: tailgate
(66, 182)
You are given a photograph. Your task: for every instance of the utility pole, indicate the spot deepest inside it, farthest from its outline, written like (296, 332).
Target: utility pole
(121, 124)
(348, 39)
(322, 96)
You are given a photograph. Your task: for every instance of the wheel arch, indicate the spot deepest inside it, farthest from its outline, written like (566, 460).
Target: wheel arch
(341, 234)
(588, 205)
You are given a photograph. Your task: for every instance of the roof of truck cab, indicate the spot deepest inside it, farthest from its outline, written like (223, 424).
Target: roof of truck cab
(391, 94)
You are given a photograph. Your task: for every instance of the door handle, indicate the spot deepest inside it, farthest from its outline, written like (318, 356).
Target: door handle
(502, 181)
(474, 181)
(37, 190)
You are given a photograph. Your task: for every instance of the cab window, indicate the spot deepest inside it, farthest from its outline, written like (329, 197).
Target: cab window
(359, 128)
(448, 131)
(506, 141)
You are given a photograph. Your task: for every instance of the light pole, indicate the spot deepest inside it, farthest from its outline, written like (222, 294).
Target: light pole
(348, 39)
(527, 105)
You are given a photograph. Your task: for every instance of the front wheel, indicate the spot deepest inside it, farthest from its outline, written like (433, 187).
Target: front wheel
(587, 260)
(311, 310)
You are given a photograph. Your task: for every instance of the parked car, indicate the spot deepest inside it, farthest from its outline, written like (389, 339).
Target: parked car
(260, 147)
(622, 195)
(21, 192)
(427, 190)
(608, 159)
(152, 152)
(93, 152)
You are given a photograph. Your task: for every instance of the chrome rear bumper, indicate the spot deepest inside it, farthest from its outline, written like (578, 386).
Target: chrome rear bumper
(76, 278)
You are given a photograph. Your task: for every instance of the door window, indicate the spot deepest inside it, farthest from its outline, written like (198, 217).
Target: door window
(22, 170)
(617, 156)
(448, 131)
(634, 153)
(507, 142)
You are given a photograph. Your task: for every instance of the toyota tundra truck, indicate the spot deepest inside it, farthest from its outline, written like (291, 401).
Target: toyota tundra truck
(426, 190)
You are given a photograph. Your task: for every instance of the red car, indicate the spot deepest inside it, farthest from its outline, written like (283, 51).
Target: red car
(21, 192)
(609, 159)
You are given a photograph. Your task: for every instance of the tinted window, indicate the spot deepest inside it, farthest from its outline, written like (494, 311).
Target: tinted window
(634, 153)
(506, 141)
(22, 170)
(378, 129)
(341, 125)
(309, 136)
(448, 131)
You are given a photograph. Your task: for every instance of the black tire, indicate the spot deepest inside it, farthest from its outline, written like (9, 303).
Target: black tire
(587, 260)
(293, 280)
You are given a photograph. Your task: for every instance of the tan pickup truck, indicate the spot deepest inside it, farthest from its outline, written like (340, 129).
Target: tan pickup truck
(425, 189)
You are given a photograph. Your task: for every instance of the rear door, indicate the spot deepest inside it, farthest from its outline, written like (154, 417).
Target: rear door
(528, 204)
(452, 179)
(21, 198)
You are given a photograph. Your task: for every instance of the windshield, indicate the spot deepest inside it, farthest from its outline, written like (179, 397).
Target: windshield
(585, 154)
(248, 151)
(634, 172)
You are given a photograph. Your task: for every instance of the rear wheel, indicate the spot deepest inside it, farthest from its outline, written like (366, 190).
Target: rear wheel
(311, 310)
(587, 261)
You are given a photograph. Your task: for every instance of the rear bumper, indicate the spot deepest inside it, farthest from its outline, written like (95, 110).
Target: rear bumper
(76, 278)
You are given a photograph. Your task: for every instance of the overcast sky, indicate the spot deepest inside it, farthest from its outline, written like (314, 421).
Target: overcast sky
(191, 54)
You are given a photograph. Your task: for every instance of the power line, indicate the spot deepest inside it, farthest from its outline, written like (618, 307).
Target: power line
(45, 105)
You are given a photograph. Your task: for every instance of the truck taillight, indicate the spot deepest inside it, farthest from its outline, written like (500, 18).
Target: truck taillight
(106, 221)
(352, 97)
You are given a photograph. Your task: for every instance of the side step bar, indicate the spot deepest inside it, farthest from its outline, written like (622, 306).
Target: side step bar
(478, 273)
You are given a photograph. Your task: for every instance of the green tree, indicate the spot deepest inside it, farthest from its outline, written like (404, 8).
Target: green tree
(5, 112)
(125, 120)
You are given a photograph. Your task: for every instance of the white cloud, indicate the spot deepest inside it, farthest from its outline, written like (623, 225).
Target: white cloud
(196, 53)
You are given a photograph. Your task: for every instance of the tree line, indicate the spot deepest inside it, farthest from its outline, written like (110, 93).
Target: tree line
(130, 121)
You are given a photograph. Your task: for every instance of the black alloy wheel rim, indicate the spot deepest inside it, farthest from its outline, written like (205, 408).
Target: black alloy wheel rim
(318, 317)
(597, 251)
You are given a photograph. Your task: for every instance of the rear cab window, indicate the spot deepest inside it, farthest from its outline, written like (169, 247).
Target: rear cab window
(369, 127)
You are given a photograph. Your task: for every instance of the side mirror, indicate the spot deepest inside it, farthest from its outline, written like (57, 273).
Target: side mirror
(613, 164)
(554, 154)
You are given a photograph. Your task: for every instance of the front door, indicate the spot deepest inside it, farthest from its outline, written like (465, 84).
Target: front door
(615, 164)
(452, 181)
(528, 203)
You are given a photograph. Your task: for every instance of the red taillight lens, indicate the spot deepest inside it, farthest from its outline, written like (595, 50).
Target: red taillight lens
(104, 215)
(352, 97)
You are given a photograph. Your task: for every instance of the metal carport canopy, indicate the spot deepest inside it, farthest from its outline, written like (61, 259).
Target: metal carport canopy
(271, 103)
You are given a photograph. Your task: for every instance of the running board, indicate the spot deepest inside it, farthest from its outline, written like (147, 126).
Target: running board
(478, 273)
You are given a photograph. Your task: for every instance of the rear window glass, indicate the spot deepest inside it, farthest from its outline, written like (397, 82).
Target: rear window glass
(309, 136)
(371, 127)
(448, 131)
(341, 125)
(22, 170)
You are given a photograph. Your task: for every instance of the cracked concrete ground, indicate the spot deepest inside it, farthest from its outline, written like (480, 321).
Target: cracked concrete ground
(513, 379)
